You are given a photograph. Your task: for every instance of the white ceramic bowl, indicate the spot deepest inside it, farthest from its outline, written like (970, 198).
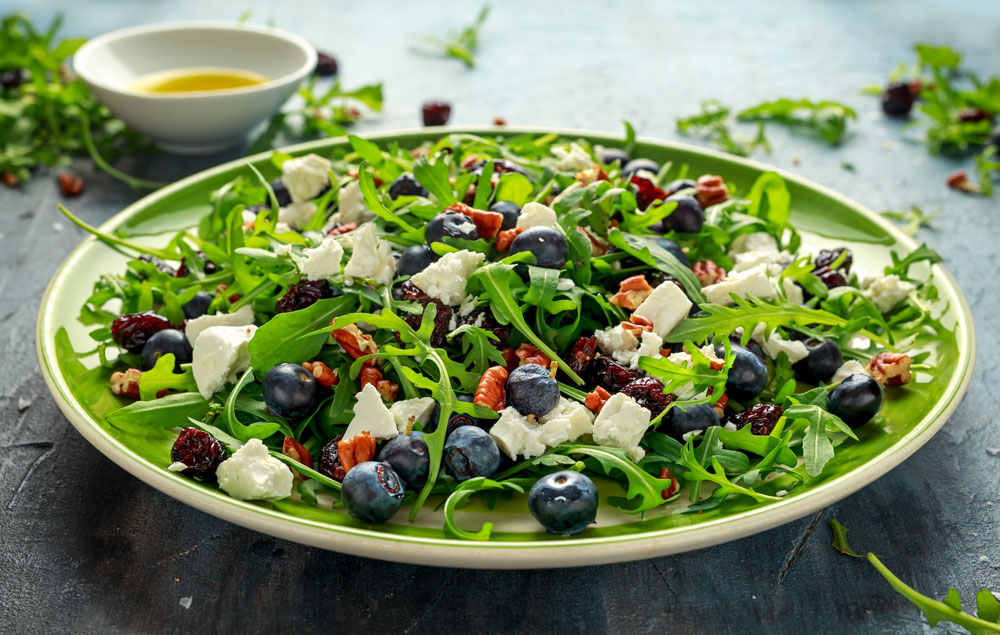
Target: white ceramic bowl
(194, 122)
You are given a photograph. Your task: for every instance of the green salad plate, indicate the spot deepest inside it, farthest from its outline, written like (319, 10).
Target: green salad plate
(910, 418)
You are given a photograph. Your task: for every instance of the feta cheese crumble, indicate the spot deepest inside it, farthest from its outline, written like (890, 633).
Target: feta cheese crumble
(323, 261)
(774, 344)
(372, 257)
(757, 241)
(848, 368)
(410, 411)
(371, 415)
(516, 435)
(194, 328)
(752, 282)
(251, 473)
(305, 177)
(887, 291)
(177, 466)
(296, 215)
(625, 348)
(220, 353)
(574, 158)
(665, 307)
(351, 206)
(535, 214)
(446, 279)
(621, 424)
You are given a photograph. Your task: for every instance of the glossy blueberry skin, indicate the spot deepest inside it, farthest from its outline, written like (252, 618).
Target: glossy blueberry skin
(563, 502)
(751, 346)
(415, 259)
(679, 184)
(747, 377)
(610, 155)
(548, 245)
(164, 342)
(406, 185)
(455, 419)
(450, 224)
(531, 390)
(281, 193)
(198, 306)
(687, 217)
(470, 452)
(675, 249)
(679, 422)
(823, 361)
(290, 391)
(510, 213)
(372, 492)
(408, 456)
(856, 400)
(635, 165)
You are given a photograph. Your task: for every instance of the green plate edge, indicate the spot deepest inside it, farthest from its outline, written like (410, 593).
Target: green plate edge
(625, 542)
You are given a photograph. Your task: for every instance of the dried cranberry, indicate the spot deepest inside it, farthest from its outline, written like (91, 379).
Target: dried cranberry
(830, 278)
(436, 113)
(131, 331)
(199, 451)
(499, 167)
(303, 294)
(326, 65)
(12, 78)
(648, 393)
(647, 192)
(897, 100)
(582, 354)
(606, 372)
(973, 114)
(483, 318)
(329, 460)
(761, 417)
(827, 257)
(410, 292)
(159, 264)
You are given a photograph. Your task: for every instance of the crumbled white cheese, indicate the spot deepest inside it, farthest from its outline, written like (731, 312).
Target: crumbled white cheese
(618, 342)
(682, 358)
(567, 421)
(251, 473)
(371, 415)
(283, 249)
(177, 466)
(220, 352)
(446, 278)
(793, 291)
(194, 328)
(649, 346)
(750, 259)
(372, 258)
(848, 368)
(515, 435)
(296, 215)
(323, 261)
(757, 241)
(781, 493)
(565, 284)
(351, 205)
(282, 227)
(775, 344)
(752, 282)
(535, 214)
(305, 177)
(410, 411)
(574, 158)
(887, 291)
(730, 426)
(665, 307)
(468, 305)
(621, 423)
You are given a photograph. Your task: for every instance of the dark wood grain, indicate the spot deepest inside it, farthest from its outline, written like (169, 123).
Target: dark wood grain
(87, 548)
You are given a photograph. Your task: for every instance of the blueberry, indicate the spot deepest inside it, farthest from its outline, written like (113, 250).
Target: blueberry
(823, 361)
(610, 155)
(510, 213)
(751, 346)
(679, 184)
(678, 421)
(531, 390)
(563, 502)
(406, 185)
(897, 100)
(458, 419)
(164, 342)
(635, 165)
(470, 452)
(414, 260)
(198, 305)
(372, 492)
(280, 193)
(856, 400)
(290, 391)
(747, 377)
(548, 246)
(687, 217)
(675, 249)
(408, 456)
(450, 224)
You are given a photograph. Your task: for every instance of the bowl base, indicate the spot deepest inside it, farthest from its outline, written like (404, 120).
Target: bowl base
(210, 147)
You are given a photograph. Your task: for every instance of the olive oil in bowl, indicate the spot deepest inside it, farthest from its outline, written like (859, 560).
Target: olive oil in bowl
(197, 80)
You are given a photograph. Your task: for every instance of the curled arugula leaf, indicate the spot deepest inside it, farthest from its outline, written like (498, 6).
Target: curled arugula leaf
(461, 495)
(642, 485)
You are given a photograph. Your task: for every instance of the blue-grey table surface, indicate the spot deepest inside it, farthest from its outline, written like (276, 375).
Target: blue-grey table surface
(85, 547)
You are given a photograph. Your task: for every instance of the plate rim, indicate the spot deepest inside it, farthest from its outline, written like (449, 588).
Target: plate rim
(502, 554)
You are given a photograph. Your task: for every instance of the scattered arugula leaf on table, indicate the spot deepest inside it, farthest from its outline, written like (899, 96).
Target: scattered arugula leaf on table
(461, 45)
(913, 219)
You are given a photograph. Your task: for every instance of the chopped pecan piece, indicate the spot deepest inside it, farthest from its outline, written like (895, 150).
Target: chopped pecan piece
(340, 229)
(126, 384)
(387, 389)
(592, 174)
(529, 354)
(596, 399)
(491, 391)
(890, 368)
(355, 451)
(487, 223)
(636, 329)
(324, 375)
(674, 485)
(295, 450)
(711, 190)
(9, 179)
(708, 272)
(632, 292)
(356, 343)
(506, 237)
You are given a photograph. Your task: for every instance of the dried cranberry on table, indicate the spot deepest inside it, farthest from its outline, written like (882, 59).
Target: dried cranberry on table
(648, 393)
(304, 294)
(326, 64)
(133, 330)
(761, 417)
(199, 451)
(897, 99)
(435, 113)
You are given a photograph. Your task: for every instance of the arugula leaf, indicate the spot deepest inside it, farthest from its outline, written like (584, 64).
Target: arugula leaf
(162, 377)
(374, 204)
(912, 219)
(167, 412)
(827, 118)
(116, 241)
(711, 121)
(461, 495)
(288, 337)
(367, 150)
(696, 472)
(246, 432)
(901, 266)
(840, 539)
(434, 177)
(514, 187)
(462, 45)
(770, 189)
(696, 378)
(642, 485)
(654, 255)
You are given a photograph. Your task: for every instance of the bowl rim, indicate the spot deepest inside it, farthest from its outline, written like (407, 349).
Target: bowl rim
(104, 39)
(513, 554)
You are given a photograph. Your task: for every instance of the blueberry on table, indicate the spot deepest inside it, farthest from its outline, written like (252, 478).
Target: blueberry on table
(679, 421)
(435, 113)
(548, 246)
(199, 451)
(408, 456)
(372, 492)
(608, 156)
(897, 99)
(198, 305)
(414, 259)
(290, 391)
(856, 400)
(281, 193)
(450, 224)
(470, 452)
(510, 212)
(164, 342)
(747, 377)
(563, 502)
(531, 390)
(635, 165)
(822, 362)
(406, 185)
(687, 217)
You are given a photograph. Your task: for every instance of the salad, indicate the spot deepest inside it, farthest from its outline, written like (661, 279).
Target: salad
(384, 328)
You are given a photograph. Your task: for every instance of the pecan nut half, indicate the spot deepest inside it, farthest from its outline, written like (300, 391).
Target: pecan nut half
(355, 451)
(711, 190)
(295, 450)
(890, 368)
(126, 384)
(632, 292)
(491, 391)
(356, 343)
(708, 272)
(325, 376)
(530, 354)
